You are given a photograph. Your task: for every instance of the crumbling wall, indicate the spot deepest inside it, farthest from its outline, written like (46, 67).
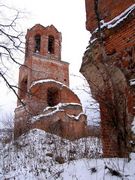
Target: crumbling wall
(109, 67)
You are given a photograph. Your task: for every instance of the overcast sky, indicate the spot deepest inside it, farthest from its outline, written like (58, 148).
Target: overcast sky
(68, 16)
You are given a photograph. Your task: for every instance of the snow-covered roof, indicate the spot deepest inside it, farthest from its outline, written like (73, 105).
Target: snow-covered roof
(118, 19)
(60, 85)
(60, 105)
(47, 81)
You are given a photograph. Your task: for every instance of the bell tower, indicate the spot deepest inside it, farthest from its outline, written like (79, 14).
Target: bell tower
(42, 58)
(43, 41)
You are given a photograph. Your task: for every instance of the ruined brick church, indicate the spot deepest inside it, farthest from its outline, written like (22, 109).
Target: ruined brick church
(45, 99)
(109, 67)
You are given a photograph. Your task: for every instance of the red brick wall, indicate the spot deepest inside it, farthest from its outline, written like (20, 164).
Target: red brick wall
(43, 65)
(37, 101)
(108, 10)
(46, 69)
(62, 125)
(121, 38)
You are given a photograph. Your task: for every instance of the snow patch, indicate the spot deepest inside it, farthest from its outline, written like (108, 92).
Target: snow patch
(67, 104)
(92, 40)
(132, 82)
(118, 19)
(132, 156)
(133, 125)
(20, 106)
(34, 156)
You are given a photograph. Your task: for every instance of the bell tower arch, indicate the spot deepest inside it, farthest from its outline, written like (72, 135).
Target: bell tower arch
(45, 41)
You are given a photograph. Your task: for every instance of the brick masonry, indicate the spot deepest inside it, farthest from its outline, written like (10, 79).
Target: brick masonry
(48, 102)
(109, 67)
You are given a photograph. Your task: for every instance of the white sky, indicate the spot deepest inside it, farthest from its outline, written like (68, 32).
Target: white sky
(68, 16)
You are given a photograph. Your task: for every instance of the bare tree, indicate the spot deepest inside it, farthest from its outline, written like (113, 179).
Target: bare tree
(7, 128)
(11, 42)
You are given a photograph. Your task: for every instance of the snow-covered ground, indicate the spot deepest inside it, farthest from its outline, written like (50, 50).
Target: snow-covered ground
(38, 155)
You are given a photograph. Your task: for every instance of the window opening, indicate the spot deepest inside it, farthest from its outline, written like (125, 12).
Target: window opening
(51, 45)
(37, 43)
(52, 97)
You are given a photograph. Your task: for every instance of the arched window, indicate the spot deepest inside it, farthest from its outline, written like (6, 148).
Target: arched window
(37, 43)
(52, 96)
(51, 44)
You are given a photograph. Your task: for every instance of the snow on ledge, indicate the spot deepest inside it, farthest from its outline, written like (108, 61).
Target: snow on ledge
(76, 117)
(60, 105)
(118, 19)
(57, 108)
(36, 118)
(46, 81)
(133, 126)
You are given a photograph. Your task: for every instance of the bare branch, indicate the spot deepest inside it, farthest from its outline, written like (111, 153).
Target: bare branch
(10, 86)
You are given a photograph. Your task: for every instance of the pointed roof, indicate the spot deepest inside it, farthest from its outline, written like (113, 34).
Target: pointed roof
(39, 26)
(36, 26)
(52, 27)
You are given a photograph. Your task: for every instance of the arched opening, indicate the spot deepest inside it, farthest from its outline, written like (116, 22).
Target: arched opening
(37, 43)
(51, 44)
(53, 96)
(23, 88)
